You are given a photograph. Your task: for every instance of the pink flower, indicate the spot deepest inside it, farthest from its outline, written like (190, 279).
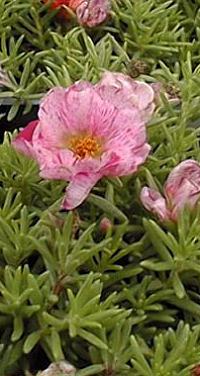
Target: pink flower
(92, 12)
(181, 188)
(123, 92)
(82, 136)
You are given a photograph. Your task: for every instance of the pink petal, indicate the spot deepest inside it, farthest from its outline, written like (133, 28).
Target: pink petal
(92, 12)
(23, 141)
(155, 203)
(53, 165)
(63, 111)
(80, 110)
(183, 186)
(52, 122)
(124, 91)
(63, 164)
(78, 190)
(127, 145)
(131, 134)
(89, 113)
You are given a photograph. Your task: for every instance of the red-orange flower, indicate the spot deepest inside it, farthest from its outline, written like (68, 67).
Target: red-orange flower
(89, 12)
(73, 4)
(58, 4)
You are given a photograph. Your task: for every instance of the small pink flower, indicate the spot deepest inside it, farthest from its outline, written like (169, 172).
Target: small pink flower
(92, 12)
(123, 92)
(181, 189)
(82, 136)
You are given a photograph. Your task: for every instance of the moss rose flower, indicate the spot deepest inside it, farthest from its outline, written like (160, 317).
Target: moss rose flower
(82, 135)
(89, 12)
(182, 188)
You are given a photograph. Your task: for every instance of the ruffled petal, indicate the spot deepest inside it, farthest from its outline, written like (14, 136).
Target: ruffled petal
(53, 165)
(88, 113)
(23, 141)
(127, 143)
(51, 114)
(64, 112)
(78, 190)
(154, 202)
(122, 91)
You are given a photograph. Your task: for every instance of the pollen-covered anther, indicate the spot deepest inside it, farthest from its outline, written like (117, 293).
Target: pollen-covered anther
(85, 146)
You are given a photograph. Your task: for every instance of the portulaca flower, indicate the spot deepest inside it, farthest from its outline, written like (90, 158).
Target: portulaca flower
(89, 12)
(182, 188)
(84, 133)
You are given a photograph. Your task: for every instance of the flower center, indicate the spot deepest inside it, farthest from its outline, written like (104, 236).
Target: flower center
(85, 146)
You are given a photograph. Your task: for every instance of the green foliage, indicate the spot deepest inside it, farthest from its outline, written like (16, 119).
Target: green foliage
(125, 302)
(172, 353)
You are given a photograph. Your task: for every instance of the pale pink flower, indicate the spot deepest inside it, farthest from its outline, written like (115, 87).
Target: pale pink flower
(123, 92)
(92, 12)
(82, 136)
(182, 188)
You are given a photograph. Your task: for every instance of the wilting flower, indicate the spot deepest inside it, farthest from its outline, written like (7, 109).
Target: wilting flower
(170, 91)
(56, 369)
(181, 189)
(123, 91)
(89, 12)
(83, 135)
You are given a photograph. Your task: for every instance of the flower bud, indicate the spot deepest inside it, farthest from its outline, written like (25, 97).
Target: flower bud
(105, 225)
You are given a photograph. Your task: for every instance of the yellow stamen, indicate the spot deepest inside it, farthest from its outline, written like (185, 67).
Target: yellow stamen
(85, 146)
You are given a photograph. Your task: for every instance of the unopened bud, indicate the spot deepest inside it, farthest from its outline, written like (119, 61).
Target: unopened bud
(105, 225)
